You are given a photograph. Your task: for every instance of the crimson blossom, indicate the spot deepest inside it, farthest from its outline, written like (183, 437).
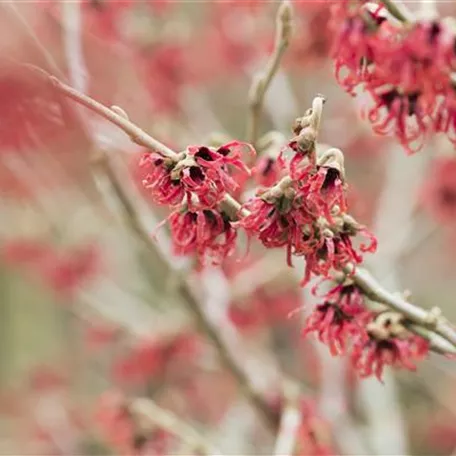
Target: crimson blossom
(200, 174)
(387, 343)
(405, 69)
(207, 233)
(306, 213)
(372, 340)
(340, 319)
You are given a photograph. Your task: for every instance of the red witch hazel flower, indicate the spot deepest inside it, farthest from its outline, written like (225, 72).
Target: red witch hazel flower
(388, 343)
(200, 173)
(406, 69)
(158, 181)
(405, 114)
(205, 170)
(207, 233)
(306, 211)
(279, 217)
(267, 171)
(269, 216)
(323, 187)
(353, 26)
(340, 318)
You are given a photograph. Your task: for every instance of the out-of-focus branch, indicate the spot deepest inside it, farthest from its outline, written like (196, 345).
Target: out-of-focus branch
(262, 81)
(192, 304)
(72, 37)
(213, 334)
(10, 8)
(120, 119)
(149, 413)
(290, 421)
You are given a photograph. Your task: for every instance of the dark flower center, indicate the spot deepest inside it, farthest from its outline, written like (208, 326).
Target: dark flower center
(268, 167)
(196, 174)
(347, 290)
(389, 97)
(204, 153)
(412, 105)
(223, 151)
(434, 32)
(339, 315)
(332, 174)
(139, 440)
(386, 345)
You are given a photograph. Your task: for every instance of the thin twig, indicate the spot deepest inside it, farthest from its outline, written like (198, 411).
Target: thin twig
(290, 421)
(206, 325)
(398, 10)
(151, 414)
(72, 38)
(117, 117)
(262, 81)
(10, 7)
(213, 334)
(135, 133)
(141, 137)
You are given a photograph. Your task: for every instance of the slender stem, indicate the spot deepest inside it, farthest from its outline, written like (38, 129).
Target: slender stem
(290, 421)
(398, 10)
(133, 220)
(151, 414)
(213, 334)
(211, 331)
(262, 81)
(136, 134)
(72, 39)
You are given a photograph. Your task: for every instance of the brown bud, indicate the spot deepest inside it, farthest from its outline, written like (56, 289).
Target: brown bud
(333, 158)
(305, 141)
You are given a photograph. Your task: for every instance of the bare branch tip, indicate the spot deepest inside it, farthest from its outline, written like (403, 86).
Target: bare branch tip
(285, 11)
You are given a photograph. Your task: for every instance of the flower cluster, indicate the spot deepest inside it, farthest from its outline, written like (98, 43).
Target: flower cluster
(339, 318)
(194, 183)
(374, 341)
(200, 174)
(301, 205)
(405, 69)
(306, 211)
(207, 233)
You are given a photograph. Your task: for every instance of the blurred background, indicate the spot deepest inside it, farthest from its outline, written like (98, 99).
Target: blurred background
(88, 308)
